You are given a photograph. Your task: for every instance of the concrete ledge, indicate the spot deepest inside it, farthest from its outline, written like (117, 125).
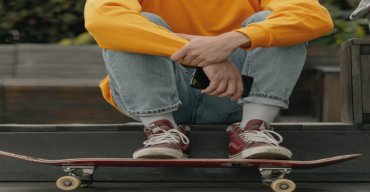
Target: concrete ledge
(305, 142)
(136, 126)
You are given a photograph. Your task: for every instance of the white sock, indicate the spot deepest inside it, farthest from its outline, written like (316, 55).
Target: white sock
(147, 120)
(263, 112)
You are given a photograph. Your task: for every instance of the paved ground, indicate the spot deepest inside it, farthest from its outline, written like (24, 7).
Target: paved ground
(186, 187)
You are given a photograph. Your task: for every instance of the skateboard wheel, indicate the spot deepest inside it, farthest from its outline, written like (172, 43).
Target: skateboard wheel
(283, 185)
(68, 183)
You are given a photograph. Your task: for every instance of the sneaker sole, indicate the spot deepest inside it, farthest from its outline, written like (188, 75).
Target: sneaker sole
(263, 152)
(159, 153)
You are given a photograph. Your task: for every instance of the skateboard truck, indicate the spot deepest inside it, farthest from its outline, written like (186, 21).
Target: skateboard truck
(78, 176)
(274, 178)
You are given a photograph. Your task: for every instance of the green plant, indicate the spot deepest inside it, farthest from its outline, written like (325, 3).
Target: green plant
(344, 28)
(48, 21)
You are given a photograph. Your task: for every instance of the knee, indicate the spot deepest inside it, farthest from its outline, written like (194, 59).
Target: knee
(155, 19)
(257, 17)
(113, 56)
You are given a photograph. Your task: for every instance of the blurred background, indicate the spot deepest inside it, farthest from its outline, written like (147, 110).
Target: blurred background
(50, 66)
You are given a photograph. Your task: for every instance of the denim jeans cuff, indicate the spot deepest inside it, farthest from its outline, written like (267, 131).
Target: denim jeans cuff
(266, 99)
(157, 111)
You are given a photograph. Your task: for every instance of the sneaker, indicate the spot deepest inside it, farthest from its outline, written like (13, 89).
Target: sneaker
(164, 141)
(256, 141)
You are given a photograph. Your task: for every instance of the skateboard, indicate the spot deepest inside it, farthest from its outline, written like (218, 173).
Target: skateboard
(81, 170)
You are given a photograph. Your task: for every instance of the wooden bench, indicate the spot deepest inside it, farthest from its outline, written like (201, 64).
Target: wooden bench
(56, 101)
(53, 84)
(65, 66)
(355, 80)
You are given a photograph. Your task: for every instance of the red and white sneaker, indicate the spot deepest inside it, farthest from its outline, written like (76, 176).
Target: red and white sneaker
(164, 141)
(256, 141)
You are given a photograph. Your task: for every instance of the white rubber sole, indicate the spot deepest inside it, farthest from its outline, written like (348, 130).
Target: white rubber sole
(159, 153)
(264, 152)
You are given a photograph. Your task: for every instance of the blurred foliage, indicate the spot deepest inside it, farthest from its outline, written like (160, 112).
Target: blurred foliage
(47, 21)
(344, 29)
(61, 21)
(82, 39)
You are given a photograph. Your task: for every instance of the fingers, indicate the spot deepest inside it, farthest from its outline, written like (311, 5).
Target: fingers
(188, 60)
(179, 54)
(224, 88)
(240, 88)
(196, 62)
(220, 88)
(231, 89)
(213, 85)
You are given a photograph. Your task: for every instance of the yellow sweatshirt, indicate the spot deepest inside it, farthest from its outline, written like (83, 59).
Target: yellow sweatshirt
(118, 25)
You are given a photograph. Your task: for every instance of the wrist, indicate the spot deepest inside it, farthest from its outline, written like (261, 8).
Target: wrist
(238, 39)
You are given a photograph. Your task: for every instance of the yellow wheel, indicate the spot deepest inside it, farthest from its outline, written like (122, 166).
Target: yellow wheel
(68, 183)
(283, 185)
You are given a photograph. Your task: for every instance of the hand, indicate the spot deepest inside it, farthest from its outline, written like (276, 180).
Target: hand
(206, 50)
(225, 80)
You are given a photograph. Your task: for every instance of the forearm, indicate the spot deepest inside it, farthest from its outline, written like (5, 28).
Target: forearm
(117, 27)
(291, 22)
(237, 39)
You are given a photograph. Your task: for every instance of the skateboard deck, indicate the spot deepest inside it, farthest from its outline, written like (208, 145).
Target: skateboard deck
(81, 170)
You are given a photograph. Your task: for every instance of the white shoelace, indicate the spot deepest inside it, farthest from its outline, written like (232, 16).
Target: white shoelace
(170, 136)
(265, 136)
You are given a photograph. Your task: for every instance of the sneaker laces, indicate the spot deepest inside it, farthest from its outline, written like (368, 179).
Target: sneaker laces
(264, 136)
(166, 136)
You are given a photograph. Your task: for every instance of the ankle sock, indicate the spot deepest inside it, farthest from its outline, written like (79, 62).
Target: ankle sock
(263, 112)
(147, 120)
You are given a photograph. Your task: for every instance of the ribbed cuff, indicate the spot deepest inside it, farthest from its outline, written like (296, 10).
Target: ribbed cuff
(259, 36)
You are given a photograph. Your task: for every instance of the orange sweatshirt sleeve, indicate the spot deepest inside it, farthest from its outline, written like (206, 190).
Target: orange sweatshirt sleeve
(118, 25)
(291, 22)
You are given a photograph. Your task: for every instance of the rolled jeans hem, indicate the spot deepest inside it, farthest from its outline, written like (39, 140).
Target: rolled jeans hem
(158, 111)
(266, 99)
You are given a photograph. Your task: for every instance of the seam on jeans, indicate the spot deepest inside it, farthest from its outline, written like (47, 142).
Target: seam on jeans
(155, 111)
(194, 116)
(111, 70)
(120, 92)
(174, 86)
(247, 63)
(269, 96)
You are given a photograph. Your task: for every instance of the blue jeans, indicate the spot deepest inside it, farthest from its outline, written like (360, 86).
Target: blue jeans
(144, 85)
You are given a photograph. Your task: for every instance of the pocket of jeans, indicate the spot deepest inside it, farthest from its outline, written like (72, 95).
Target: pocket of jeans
(233, 116)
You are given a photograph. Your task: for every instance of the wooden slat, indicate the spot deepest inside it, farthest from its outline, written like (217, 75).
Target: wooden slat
(55, 61)
(365, 69)
(361, 41)
(7, 59)
(365, 49)
(331, 94)
(321, 56)
(346, 81)
(55, 101)
(356, 84)
(2, 111)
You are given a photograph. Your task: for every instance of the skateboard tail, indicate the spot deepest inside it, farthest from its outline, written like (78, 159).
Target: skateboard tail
(23, 157)
(329, 161)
